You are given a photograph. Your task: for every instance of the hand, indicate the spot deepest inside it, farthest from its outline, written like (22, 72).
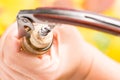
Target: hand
(70, 58)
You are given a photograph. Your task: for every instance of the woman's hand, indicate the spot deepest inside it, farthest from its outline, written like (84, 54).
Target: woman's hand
(70, 58)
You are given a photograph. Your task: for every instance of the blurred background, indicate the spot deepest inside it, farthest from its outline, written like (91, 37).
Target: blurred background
(108, 44)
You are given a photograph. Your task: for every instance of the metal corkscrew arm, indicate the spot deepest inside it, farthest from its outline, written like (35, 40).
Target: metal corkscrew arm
(36, 32)
(36, 36)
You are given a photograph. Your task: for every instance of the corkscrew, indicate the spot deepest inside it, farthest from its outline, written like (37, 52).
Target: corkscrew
(35, 26)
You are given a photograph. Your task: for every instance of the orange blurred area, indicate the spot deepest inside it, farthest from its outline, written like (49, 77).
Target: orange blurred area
(108, 44)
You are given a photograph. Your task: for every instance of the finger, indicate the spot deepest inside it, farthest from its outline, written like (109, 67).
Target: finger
(68, 39)
(71, 48)
(66, 36)
(12, 45)
(67, 42)
(21, 61)
(2, 40)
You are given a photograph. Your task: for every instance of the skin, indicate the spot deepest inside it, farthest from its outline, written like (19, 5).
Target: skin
(70, 58)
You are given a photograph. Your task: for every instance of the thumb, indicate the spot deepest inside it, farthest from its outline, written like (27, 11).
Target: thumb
(80, 60)
(71, 49)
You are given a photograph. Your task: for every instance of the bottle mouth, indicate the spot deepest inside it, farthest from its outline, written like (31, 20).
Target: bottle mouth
(40, 39)
(27, 46)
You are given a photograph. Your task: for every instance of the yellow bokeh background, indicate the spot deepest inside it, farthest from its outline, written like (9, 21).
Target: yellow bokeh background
(108, 44)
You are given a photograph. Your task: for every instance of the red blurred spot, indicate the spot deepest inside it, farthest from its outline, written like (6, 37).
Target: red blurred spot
(97, 5)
